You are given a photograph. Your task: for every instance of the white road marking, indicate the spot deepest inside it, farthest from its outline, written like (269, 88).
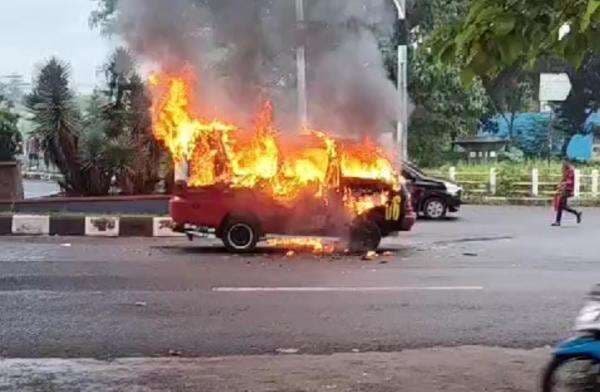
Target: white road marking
(340, 289)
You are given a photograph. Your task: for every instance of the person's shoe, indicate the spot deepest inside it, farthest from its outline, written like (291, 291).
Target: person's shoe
(556, 224)
(579, 216)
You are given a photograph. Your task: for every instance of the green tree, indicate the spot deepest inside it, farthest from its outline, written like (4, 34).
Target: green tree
(113, 139)
(426, 16)
(57, 123)
(510, 93)
(133, 151)
(93, 146)
(10, 137)
(500, 34)
(444, 108)
(584, 98)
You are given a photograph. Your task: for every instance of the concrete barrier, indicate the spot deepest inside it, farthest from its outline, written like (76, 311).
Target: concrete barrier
(135, 227)
(162, 228)
(94, 226)
(67, 225)
(102, 226)
(31, 224)
(5, 224)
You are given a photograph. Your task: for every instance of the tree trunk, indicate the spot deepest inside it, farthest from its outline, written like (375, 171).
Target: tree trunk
(511, 127)
(565, 146)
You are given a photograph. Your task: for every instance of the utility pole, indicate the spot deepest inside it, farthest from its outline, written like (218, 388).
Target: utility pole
(401, 136)
(301, 64)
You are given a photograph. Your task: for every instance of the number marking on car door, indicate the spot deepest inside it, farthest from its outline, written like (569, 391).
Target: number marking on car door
(392, 211)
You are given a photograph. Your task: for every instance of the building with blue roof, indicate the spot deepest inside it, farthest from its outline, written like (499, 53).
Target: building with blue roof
(532, 134)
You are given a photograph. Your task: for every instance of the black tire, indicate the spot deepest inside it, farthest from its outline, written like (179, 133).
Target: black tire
(435, 208)
(364, 236)
(240, 234)
(556, 363)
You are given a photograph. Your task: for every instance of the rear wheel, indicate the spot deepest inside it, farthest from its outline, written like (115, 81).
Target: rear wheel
(572, 374)
(240, 235)
(365, 236)
(435, 208)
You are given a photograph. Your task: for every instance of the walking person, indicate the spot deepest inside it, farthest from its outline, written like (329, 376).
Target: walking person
(566, 189)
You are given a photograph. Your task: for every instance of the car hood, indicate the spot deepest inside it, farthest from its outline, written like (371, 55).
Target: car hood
(431, 182)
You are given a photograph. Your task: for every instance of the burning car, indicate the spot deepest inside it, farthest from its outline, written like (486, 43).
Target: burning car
(242, 217)
(244, 184)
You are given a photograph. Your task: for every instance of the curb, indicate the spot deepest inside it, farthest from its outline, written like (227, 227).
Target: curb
(89, 226)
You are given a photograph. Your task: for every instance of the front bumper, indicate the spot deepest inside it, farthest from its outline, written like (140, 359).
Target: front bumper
(454, 202)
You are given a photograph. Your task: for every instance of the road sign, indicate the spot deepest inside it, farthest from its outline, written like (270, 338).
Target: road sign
(554, 87)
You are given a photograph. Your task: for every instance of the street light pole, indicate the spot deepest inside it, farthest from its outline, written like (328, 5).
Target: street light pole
(401, 136)
(301, 65)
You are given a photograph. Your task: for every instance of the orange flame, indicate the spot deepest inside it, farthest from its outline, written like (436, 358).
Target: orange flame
(314, 245)
(220, 152)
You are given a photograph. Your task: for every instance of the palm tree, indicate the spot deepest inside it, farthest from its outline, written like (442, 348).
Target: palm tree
(57, 121)
(93, 147)
(133, 152)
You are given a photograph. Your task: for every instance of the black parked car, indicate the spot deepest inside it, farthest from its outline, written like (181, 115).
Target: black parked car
(432, 198)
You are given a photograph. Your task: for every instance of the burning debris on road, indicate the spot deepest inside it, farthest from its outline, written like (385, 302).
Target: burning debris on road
(314, 245)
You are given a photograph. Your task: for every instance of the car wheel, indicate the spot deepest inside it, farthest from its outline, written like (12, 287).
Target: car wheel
(240, 235)
(364, 236)
(435, 208)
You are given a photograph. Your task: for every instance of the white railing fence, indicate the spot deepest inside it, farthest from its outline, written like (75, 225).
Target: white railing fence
(528, 184)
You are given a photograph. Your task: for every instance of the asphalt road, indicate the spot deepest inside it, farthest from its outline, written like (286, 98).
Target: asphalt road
(494, 277)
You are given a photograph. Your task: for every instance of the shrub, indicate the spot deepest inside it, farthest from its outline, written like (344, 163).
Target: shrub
(10, 138)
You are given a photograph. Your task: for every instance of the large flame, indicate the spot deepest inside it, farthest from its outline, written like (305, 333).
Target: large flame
(220, 152)
(314, 245)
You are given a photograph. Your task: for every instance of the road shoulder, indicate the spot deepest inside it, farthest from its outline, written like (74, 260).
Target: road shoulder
(436, 369)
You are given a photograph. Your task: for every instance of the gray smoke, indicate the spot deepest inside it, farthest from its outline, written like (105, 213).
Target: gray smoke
(244, 53)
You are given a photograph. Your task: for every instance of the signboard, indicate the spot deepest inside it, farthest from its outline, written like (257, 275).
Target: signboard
(554, 87)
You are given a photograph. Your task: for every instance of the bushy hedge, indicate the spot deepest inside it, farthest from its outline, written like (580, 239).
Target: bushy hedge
(10, 138)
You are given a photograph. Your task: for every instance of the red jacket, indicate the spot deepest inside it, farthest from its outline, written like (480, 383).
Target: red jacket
(567, 184)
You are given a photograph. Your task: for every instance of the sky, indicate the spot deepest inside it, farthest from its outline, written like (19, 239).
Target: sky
(32, 31)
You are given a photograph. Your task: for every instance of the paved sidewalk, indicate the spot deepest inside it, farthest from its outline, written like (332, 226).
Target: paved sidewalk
(461, 369)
